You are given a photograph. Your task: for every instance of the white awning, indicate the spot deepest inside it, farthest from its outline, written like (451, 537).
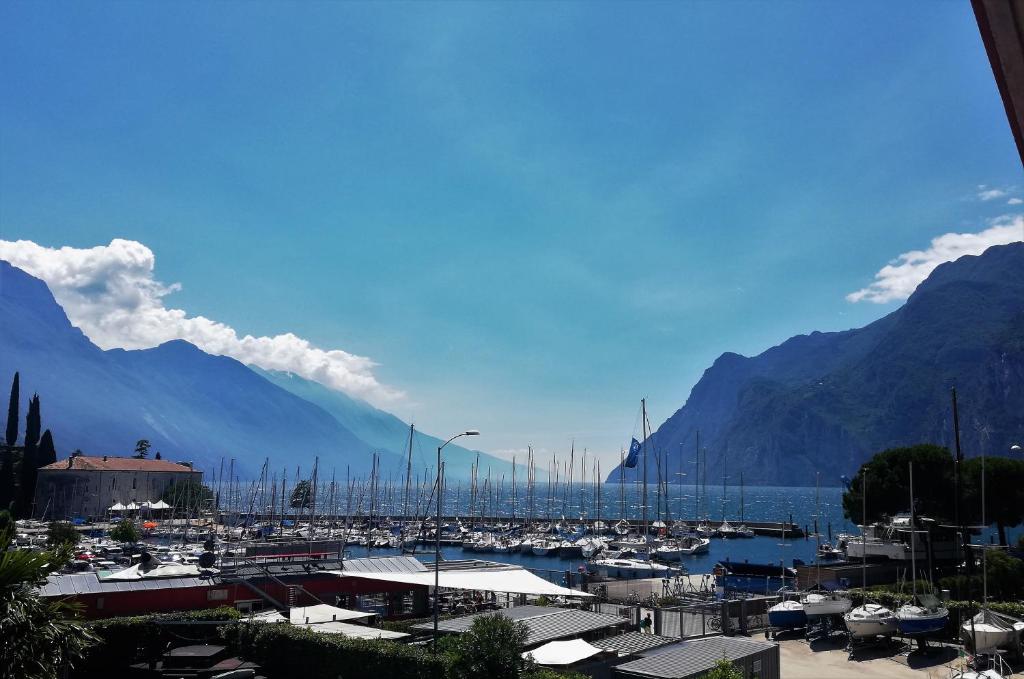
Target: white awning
(159, 504)
(118, 507)
(511, 580)
(164, 570)
(312, 615)
(354, 631)
(131, 505)
(562, 652)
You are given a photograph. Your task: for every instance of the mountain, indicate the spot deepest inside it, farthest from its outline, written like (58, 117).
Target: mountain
(189, 404)
(825, 402)
(384, 431)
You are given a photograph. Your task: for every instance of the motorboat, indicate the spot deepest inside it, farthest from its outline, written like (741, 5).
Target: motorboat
(819, 604)
(788, 614)
(629, 568)
(592, 547)
(544, 547)
(988, 631)
(870, 620)
(570, 550)
(726, 530)
(744, 531)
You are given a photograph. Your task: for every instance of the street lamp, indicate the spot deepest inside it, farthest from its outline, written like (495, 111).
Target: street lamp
(437, 533)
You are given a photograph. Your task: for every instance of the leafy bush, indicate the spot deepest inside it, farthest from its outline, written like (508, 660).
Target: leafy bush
(547, 673)
(283, 650)
(123, 641)
(125, 531)
(491, 648)
(724, 669)
(61, 532)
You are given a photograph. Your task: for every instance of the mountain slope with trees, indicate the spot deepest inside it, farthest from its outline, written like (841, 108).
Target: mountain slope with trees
(825, 402)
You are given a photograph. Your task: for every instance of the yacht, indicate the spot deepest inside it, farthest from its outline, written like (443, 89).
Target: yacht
(870, 620)
(819, 604)
(988, 631)
(788, 614)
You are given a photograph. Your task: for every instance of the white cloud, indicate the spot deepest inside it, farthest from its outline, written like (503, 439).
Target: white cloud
(990, 194)
(110, 292)
(1014, 201)
(898, 279)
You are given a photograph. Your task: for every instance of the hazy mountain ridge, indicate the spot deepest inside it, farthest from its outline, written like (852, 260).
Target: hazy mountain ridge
(824, 402)
(189, 404)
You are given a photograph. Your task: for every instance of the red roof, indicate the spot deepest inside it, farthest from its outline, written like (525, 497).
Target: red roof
(118, 464)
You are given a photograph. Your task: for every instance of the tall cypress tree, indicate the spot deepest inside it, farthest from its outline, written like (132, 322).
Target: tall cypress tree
(29, 461)
(12, 412)
(47, 454)
(33, 423)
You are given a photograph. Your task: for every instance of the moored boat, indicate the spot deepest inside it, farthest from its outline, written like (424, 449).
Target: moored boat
(870, 620)
(788, 614)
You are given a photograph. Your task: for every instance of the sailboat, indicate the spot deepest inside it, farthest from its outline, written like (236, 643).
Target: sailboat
(988, 631)
(924, 614)
(821, 603)
(868, 620)
(742, 531)
(788, 613)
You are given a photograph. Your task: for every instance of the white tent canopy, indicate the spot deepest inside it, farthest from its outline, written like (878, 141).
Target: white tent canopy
(312, 615)
(562, 652)
(159, 504)
(354, 631)
(511, 580)
(118, 507)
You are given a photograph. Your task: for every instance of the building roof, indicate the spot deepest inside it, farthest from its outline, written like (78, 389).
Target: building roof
(632, 643)
(562, 653)
(544, 623)
(688, 658)
(88, 583)
(108, 463)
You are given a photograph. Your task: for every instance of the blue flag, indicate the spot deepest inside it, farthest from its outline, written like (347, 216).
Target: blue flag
(634, 454)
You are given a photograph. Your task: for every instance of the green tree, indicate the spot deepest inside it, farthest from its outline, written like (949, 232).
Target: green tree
(12, 412)
(142, 447)
(157, 456)
(61, 532)
(125, 531)
(33, 423)
(724, 669)
(188, 493)
(302, 495)
(889, 484)
(1004, 492)
(7, 484)
(492, 648)
(46, 454)
(40, 636)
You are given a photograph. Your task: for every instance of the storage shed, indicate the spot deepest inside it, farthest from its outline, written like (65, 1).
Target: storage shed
(693, 659)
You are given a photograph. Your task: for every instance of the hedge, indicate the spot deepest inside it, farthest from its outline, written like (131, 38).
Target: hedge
(143, 638)
(284, 650)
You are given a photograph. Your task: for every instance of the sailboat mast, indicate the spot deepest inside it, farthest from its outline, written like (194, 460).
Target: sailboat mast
(408, 475)
(913, 533)
(643, 425)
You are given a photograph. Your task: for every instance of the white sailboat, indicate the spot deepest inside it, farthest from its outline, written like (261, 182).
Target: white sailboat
(820, 603)
(869, 619)
(924, 614)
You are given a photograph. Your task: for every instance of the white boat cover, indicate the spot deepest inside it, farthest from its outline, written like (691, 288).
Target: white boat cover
(312, 615)
(562, 652)
(512, 581)
(354, 631)
(164, 570)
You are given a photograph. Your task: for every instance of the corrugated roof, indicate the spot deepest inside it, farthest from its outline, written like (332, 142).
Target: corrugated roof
(384, 564)
(632, 643)
(117, 464)
(688, 658)
(544, 623)
(88, 583)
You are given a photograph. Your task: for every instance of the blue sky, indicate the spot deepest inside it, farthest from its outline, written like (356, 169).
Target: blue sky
(528, 215)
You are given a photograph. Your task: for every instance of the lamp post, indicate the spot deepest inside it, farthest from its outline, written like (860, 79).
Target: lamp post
(437, 533)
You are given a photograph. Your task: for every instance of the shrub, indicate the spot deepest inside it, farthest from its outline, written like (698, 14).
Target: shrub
(724, 669)
(61, 532)
(125, 531)
(284, 650)
(492, 648)
(123, 641)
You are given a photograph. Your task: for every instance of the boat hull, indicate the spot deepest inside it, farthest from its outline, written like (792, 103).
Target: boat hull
(911, 622)
(872, 620)
(787, 615)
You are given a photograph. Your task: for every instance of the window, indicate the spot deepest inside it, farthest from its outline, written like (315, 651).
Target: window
(217, 595)
(755, 672)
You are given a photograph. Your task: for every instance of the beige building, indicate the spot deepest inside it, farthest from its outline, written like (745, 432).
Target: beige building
(86, 487)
